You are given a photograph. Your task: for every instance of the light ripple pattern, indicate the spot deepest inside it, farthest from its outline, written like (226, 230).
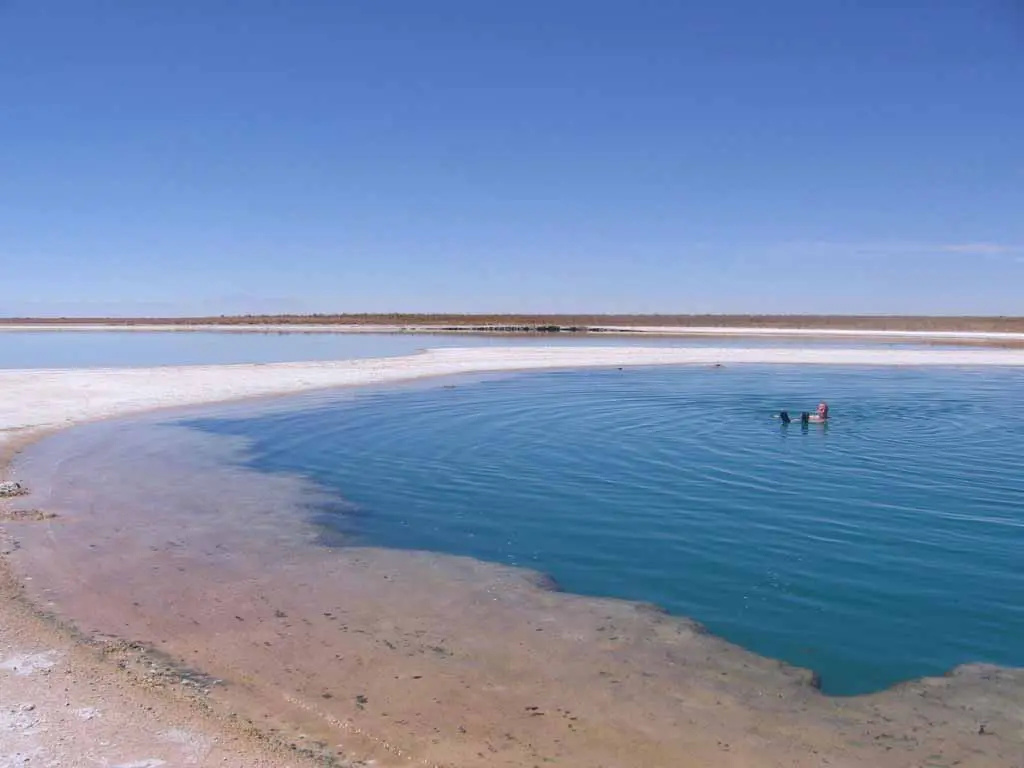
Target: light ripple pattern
(884, 546)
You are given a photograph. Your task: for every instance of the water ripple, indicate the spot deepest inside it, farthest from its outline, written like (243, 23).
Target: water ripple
(888, 541)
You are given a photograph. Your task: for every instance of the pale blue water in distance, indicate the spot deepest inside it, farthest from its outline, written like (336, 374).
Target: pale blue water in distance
(884, 546)
(98, 349)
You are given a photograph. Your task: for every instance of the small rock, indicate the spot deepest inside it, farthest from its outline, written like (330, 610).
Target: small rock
(10, 488)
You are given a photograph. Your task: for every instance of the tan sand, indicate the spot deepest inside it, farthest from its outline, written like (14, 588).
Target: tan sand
(68, 704)
(415, 659)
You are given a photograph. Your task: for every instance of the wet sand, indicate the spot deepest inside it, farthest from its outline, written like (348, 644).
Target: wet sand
(416, 659)
(409, 658)
(65, 702)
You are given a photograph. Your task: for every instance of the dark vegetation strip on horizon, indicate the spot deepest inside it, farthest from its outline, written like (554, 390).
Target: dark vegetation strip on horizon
(569, 322)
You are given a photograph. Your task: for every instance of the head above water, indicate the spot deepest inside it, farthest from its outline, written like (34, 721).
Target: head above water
(823, 409)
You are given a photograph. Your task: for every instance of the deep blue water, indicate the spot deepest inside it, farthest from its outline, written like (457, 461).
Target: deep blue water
(885, 546)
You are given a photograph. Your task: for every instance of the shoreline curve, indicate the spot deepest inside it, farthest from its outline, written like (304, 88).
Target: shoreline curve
(44, 399)
(74, 397)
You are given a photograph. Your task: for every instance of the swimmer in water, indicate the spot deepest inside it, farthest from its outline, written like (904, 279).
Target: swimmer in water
(822, 414)
(818, 417)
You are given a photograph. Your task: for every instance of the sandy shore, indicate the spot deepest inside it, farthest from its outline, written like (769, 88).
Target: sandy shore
(68, 703)
(664, 689)
(47, 399)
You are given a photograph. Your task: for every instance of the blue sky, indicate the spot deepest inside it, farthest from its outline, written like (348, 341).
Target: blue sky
(209, 156)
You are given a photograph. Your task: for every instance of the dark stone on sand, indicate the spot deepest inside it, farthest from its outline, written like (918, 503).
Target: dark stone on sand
(10, 488)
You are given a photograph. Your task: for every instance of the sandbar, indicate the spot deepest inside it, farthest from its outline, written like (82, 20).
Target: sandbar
(47, 399)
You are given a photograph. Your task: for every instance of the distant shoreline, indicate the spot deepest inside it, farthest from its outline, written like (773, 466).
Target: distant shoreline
(1008, 332)
(572, 323)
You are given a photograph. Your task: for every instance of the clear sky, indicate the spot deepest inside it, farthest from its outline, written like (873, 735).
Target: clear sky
(208, 156)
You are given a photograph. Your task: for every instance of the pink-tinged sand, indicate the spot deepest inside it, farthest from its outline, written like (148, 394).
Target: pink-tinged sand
(415, 659)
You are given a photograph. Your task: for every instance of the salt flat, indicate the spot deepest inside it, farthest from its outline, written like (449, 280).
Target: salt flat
(993, 337)
(48, 399)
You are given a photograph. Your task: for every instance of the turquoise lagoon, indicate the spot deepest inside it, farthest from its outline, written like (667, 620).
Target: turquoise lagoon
(884, 546)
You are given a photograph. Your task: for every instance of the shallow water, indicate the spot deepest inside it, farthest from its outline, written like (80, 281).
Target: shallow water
(78, 349)
(226, 538)
(884, 546)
